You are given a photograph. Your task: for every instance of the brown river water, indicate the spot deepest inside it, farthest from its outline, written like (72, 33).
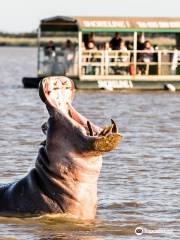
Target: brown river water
(139, 185)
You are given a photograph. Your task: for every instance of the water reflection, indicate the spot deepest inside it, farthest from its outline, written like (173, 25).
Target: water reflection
(59, 227)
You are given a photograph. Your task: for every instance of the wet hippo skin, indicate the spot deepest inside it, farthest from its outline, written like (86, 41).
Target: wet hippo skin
(64, 179)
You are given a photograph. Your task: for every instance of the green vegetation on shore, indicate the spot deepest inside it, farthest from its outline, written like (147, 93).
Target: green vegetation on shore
(20, 39)
(30, 39)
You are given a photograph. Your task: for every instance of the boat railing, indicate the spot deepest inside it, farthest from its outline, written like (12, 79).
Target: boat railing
(113, 63)
(130, 62)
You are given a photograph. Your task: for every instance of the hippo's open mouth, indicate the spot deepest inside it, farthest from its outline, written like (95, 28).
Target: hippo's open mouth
(58, 92)
(64, 179)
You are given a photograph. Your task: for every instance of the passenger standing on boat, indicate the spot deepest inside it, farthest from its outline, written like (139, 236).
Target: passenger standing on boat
(147, 57)
(129, 45)
(140, 47)
(140, 41)
(107, 46)
(91, 37)
(115, 45)
(87, 38)
(115, 41)
(124, 58)
(107, 59)
(92, 46)
(53, 67)
(123, 55)
(91, 69)
(50, 49)
(69, 55)
(50, 53)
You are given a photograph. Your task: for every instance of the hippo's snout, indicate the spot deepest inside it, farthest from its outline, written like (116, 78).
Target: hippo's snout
(57, 93)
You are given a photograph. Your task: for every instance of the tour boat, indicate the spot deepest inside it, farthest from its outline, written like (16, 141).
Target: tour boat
(98, 65)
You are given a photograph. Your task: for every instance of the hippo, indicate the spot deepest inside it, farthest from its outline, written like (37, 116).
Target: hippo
(64, 178)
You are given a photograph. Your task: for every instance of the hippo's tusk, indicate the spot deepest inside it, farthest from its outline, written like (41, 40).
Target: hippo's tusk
(114, 129)
(110, 129)
(90, 128)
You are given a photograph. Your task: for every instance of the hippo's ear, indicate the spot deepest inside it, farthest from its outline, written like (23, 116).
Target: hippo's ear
(107, 143)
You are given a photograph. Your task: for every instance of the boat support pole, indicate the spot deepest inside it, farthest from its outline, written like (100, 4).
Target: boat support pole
(80, 54)
(135, 53)
(38, 53)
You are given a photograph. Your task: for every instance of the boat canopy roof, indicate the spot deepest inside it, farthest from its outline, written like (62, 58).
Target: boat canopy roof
(59, 23)
(111, 24)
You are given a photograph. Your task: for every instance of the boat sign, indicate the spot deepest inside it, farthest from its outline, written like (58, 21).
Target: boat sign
(115, 84)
